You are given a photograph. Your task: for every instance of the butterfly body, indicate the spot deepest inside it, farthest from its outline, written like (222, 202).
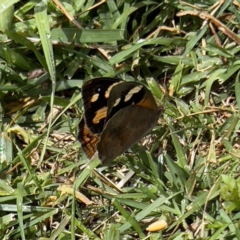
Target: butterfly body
(117, 115)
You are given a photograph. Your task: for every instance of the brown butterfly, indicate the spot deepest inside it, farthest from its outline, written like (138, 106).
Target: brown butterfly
(117, 115)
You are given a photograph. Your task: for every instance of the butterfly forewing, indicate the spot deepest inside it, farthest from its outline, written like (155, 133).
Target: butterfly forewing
(123, 95)
(95, 95)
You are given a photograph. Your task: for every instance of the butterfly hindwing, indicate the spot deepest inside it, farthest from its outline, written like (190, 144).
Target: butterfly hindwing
(87, 139)
(116, 138)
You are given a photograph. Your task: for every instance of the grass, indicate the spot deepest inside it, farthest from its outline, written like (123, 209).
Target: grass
(185, 173)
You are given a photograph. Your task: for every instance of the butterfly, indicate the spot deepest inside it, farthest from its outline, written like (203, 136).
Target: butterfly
(117, 115)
